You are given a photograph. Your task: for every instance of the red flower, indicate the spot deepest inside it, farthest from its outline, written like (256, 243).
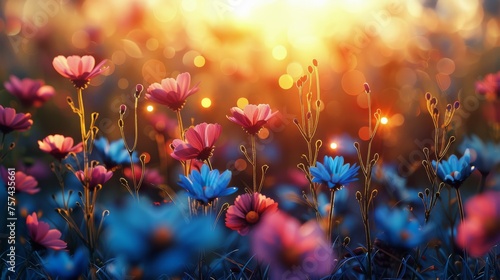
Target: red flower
(10, 120)
(489, 86)
(97, 175)
(199, 142)
(59, 146)
(78, 69)
(248, 210)
(172, 93)
(252, 118)
(23, 182)
(480, 230)
(30, 92)
(151, 176)
(42, 236)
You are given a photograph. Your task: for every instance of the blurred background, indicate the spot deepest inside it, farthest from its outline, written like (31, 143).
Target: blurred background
(253, 52)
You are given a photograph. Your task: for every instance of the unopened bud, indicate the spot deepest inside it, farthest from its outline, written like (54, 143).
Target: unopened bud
(428, 96)
(123, 109)
(367, 87)
(456, 105)
(434, 101)
(138, 89)
(310, 69)
(315, 62)
(448, 107)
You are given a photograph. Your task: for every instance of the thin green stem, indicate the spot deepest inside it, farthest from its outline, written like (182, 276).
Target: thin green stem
(330, 215)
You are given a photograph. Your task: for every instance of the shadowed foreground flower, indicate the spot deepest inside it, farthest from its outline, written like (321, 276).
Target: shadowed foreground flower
(61, 265)
(480, 230)
(97, 175)
(23, 182)
(29, 92)
(199, 143)
(248, 210)
(207, 185)
(334, 173)
(172, 92)
(153, 241)
(42, 236)
(78, 69)
(252, 118)
(10, 120)
(454, 171)
(59, 146)
(398, 229)
(483, 155)
(292, 250)
(113, 154)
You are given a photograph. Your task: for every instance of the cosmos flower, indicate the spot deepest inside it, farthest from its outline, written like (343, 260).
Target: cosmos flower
(489, 86)
(59, 146)
(199, 143)
(42, 236)
(292, 250)
(78, 69)
(398, 229)
(30, 92)
(151, 176)
(484, 155)
(248, 210)
(10, 120)
(61, 265)
(334, 173)
(454, 171)
(207, 185)
(157, 240)
(480, 230)
(97, 175)
(113, 154)
(252, 118)
(23, 182)
(172, 92)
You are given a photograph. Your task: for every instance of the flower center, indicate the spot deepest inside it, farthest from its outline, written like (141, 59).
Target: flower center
(252, 217)
(161, 238)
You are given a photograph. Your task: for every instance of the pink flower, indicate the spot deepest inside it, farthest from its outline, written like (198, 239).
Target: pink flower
(489, 86)
(30, 92)
(199, 142)
(78, 69)
(248, 210)
(480, 230)
(292, 250)
(10, 120)
(172, 93)
(151, 176)
(97, 175)
(23, 182)
(59, 146)
(42, 236)
(252, 118)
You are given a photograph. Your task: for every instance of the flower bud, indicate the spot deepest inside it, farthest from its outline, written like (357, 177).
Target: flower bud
(138, 89)
(428, 96)
(315, 62)
(123, 109)
(367, 87)
(456, 105)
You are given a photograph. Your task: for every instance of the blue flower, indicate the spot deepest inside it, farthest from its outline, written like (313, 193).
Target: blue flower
(207, 185)
(113, 154)
(454, 171)
(334, 172)
(154, 240)
(484, 156)
(60, 265)
(398, 229)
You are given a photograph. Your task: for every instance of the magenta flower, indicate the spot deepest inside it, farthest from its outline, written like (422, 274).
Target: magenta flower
(10, 120)
(248, 210)
(59, 146)
(97, 175)
(30, 92)
(172, 93)
(292, 250)
(199, 142)
(42, 236)
(480, 230)
(489, 86)
(252, 118)
(78, 69)
(151, 176)
(23, 182)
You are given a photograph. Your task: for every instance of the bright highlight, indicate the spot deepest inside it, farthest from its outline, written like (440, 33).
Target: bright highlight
(384, 120)
(150, 108)
(206, 102)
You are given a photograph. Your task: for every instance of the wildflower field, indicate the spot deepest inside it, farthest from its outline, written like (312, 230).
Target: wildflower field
(266, 139)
